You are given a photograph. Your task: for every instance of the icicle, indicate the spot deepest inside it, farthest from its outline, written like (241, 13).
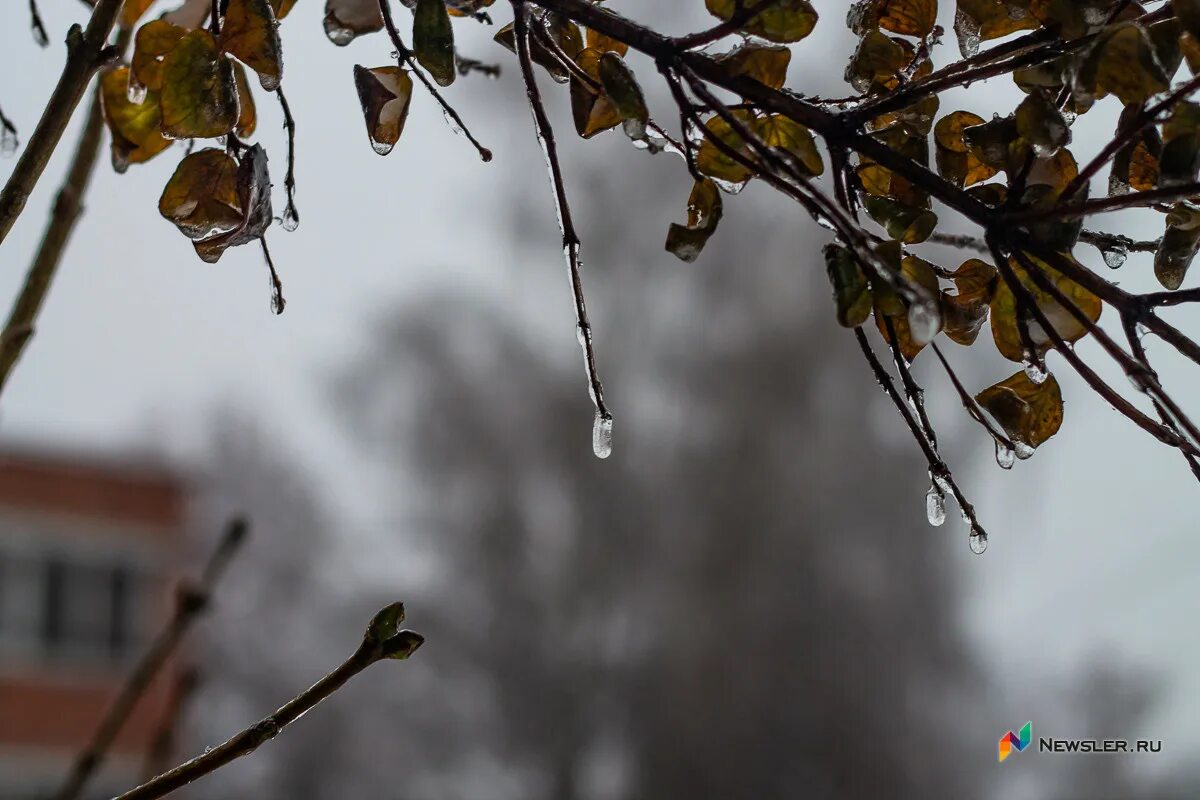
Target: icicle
(602, 429)
(935, 506)
(979, 540)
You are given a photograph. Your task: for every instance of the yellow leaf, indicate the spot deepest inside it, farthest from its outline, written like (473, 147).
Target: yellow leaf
(764, 63)
(135, 127)
(1005, 329)
(905, 17)
(955, 161)
(784, 21)
(153, 41)
(778, 131)
(592, 109)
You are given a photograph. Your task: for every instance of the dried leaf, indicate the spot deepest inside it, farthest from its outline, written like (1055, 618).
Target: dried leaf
(201, 198)
(384, 94)
(785, 21)
(346, 20)
(705, 208)
(622, 90)
(1005, 330)
(793, 140)
(153, 41)
(983, 20)
(918, 273)
(965, 311)
(605, 44)
(764, 63)
(592, 109)
(955, 161)
(135, 127)
(199, 94)
(713, 161)
(562, 31)
(877, 63)
(250, 33)
(905, 17)
(907, 224)
(253, 186)
(132, 11)
(1121, 62)
(1030, 413)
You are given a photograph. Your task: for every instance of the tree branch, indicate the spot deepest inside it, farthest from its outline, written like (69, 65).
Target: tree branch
(87, 52)
(191, 600)
(383, 640)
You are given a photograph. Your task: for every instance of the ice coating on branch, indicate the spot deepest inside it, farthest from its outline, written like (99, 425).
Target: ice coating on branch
(935, 506)
(979, 541)
(602, 430)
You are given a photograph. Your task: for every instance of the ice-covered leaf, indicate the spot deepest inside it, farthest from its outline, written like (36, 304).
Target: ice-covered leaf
(965, 311)
(890, 309)
(346, 20)
(851, 290)
(767, 64)
(1005, 330)
(433, 40)
(623, 91)
(199, 93)
(1179, 245)
(150, 46)
(793, 140)
(955, 161)
(784, 21)
(877, 62)
(1030, 413)
(714, 162)
(250, 33)
(385, 94)
(201, 198)
(592, 109)
(907, 224)
(136, 128)
(905, 17)
(1122, 62)
(983, 20)
(704, 208)
(562, 32)
(1042, 125)
(253, 187)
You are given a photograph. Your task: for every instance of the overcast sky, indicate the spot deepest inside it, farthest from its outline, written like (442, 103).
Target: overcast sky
(1092, 553)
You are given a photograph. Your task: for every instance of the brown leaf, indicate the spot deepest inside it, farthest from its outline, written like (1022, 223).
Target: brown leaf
(199, 92)
(250, 32)
(135, 127)
(1030, 413)
(384, 94)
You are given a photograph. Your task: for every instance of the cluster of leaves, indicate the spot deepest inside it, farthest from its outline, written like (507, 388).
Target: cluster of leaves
(186, 80)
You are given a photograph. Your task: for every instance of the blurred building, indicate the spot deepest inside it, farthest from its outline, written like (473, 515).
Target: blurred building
(87, 547)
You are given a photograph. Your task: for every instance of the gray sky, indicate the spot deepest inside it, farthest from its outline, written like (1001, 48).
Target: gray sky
(1091, 554)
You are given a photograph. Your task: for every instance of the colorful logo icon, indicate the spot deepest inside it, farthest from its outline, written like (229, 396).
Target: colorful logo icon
(1011, 741)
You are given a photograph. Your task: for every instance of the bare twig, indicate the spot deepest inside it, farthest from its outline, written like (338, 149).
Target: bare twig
(191, 600)
(87, 52)
(291, 217)
(39, 28)
(570, 238)
(383, 640)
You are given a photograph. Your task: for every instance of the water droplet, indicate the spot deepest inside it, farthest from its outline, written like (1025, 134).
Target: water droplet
(291, 218)
(602, 428)
(338, 33)
(979, 541)
(1022, 449)
(382, 148)
(1114, 258)
(1005, 457)
(1036, 372)
(935, 506)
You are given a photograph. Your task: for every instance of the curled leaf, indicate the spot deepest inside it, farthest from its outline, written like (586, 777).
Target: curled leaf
(346, 20)
(384, 94)
(965, 311)
(704, 212)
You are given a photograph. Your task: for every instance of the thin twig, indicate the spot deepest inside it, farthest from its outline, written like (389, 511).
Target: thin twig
(406, 56)
(383, 640)
(566, 223)
(39, 28)
(87, 52)
(191, 600)
(291, 217)
(970, 404)
(742, 15)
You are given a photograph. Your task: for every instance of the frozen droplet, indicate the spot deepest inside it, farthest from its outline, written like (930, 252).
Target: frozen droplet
(1036, 371)
(935, 506)
(1005, 457)
(1116, 186)
(291, 218)
(382, 148)
(338, 33)
(979, 540)
(1022, 449)
(602, 430)
(1114, 258)
(924, 321)
(136, 91)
